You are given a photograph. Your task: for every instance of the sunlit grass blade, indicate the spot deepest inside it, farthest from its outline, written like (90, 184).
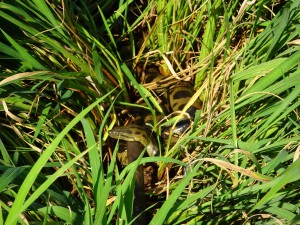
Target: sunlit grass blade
(50, 181)
(163, 212)
(178, 211)
(101, 214)
(24, 189)
(282, 110)
(42, 7)
(93, 153)
(272, 76)
(63, 213)
(291, 174)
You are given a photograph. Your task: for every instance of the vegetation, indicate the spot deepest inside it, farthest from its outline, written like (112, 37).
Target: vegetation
(69, 68)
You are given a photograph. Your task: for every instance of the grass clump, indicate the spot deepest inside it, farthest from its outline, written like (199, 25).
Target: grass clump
(70, 70)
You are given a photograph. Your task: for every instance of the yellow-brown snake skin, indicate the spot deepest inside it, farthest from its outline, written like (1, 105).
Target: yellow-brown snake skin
(178, 96)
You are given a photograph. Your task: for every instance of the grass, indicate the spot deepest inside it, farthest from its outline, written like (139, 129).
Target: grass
(65, 81)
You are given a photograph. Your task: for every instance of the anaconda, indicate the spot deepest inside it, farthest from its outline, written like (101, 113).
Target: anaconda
(178, 95)
(137, 137)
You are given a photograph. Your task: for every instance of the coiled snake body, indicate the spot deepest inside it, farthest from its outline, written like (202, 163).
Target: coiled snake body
(178, 96)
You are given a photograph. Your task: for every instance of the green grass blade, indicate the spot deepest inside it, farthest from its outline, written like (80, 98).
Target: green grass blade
(9, 175)
(42, 120)
(23, 54)
(25, 187)
(277, 114)
(5, 156)
(42, 8)
(44, 186)
(65, 214)
(291, 174)
(277, 72)
(100, 216)
(93, 153)
(163, 212)
(182, 207)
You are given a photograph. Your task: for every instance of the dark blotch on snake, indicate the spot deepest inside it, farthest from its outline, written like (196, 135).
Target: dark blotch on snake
(181, 94)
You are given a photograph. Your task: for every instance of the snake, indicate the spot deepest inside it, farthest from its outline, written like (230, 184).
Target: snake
(178, 95)
(138, 137)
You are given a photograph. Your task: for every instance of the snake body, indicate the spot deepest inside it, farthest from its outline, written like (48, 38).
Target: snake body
(137, 137)
(135, 133)
(178, 96)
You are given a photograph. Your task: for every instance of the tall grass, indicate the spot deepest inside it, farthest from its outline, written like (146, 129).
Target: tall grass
(64, 83)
